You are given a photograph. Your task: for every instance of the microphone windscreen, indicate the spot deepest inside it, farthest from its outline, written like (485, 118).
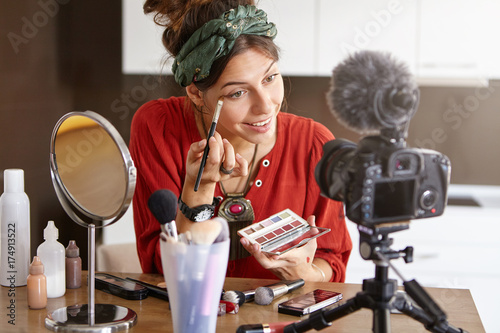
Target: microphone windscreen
(163, 205)
(362, 90)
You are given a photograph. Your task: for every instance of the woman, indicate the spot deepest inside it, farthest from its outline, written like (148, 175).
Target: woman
(260, 158)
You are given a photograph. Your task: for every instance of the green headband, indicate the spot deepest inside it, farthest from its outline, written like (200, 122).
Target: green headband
(215, 39)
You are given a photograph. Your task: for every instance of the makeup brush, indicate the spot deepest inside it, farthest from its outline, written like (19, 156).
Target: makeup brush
(224, 232)
(265, 295)
(211, 132)
(239, 297)
(163, 205)
(205, 232)
(242, 297)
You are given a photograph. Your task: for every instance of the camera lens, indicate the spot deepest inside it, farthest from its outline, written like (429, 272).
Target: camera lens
(428, 199)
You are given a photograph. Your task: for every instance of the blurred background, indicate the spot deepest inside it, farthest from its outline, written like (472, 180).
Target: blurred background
(58, 56)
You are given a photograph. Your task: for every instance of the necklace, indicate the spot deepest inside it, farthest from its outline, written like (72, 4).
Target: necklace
(237, 210)
(235, 207)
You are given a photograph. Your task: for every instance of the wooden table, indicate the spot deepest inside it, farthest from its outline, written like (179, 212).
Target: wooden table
(154, 315)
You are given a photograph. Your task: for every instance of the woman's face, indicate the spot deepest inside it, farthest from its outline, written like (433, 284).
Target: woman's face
(253, 91)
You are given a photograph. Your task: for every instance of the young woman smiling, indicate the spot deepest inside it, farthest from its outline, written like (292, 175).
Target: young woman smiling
(261, 160)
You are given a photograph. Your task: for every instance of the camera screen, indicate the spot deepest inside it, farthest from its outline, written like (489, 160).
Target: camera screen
(394, 199)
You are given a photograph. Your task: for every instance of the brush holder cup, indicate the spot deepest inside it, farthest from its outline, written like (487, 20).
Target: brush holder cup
(194, 275)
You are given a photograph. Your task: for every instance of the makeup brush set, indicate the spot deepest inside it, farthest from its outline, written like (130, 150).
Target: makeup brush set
(194, 266)
(163, 205)
(195, 262)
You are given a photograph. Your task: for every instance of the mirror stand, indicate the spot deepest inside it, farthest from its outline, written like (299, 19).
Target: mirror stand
(94, 179)
(91, 317)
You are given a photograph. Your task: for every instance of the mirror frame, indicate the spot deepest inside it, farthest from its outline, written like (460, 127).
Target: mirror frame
(81, 215)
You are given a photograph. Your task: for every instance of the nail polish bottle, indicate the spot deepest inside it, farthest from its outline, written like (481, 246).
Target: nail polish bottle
(73, 266)
(37, 285)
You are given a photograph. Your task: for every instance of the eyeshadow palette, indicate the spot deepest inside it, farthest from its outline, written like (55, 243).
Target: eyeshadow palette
(281, 232)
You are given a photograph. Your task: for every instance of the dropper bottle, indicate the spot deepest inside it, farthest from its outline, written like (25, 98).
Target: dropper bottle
(73, 266)
(37, 285)
(53, 256)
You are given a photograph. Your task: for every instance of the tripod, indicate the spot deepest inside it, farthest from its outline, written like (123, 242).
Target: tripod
(380, 293)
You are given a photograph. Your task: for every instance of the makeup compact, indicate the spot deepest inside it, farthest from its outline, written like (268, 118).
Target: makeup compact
(281, 232)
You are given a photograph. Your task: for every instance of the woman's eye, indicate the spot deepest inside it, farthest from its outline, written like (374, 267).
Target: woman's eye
(237, 94)
(271, 78)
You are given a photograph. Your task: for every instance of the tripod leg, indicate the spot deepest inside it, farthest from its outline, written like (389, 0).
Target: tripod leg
(403, 303)
(381, 320)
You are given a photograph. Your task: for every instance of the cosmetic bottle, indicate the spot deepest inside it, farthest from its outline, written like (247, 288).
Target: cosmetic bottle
(15, 230)
(73, 266)
(37, 285)
(53, 256)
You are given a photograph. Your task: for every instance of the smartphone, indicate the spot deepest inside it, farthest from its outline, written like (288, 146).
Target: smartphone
(309, 302)
(117, 286)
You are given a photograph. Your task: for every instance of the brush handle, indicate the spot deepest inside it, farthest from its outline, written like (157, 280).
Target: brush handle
(204, 158)
(211, 132)
(249, 295)
(296, 284)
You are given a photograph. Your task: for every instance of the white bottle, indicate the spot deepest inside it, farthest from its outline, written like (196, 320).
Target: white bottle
(15, 230)
(53, 257)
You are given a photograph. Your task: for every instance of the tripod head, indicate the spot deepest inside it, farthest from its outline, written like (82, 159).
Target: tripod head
(375, 239)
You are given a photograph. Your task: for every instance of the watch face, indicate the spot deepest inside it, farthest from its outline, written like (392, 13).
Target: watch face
(204, 215)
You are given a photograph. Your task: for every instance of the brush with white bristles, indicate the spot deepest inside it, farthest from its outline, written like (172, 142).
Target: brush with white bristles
(239, 297)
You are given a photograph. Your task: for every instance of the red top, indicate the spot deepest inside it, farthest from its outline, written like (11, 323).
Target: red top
(161, 134)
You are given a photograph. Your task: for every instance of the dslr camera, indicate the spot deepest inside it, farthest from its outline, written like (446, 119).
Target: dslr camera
(382, 183)
(380, 179)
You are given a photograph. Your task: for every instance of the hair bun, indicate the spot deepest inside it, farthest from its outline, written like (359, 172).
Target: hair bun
(181, 18)
(171, 13)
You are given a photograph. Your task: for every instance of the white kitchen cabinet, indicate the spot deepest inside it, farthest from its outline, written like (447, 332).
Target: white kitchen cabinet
(297, 34)
(456, 39)
(382, 25)
(142, 48)
(442, 41)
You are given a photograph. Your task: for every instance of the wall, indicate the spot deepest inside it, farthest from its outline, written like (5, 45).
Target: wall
(56, 57)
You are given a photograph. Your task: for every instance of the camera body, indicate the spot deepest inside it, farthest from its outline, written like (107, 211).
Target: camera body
(381, 181)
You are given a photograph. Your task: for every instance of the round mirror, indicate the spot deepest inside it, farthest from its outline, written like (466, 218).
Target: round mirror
(91, 168)
(94, 179)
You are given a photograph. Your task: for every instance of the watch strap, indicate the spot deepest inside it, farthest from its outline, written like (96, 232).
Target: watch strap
(198, 213)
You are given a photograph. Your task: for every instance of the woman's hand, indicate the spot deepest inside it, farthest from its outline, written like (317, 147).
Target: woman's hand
(221, 153)
(294, 264)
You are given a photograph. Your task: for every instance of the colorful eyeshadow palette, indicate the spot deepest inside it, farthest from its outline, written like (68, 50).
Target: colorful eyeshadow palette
(281, 232)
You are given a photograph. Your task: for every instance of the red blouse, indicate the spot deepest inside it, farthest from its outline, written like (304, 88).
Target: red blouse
(161, 133)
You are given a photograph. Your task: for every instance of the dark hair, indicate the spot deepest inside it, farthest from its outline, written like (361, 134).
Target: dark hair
(242, 43)
(181, 18)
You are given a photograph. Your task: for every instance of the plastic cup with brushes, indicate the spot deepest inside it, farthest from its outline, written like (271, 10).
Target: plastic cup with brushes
(194, 267)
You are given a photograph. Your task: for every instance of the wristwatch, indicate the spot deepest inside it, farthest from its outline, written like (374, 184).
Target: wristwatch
(199, 213)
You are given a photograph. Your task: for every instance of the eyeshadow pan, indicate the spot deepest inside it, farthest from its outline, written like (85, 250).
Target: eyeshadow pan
(249, 232)
(276, 219)
(284, 215)
(257, 227)
(296, 223)
(270, 235)
(287, 227)
(266, 223)
(261, 239)
(279, 231)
